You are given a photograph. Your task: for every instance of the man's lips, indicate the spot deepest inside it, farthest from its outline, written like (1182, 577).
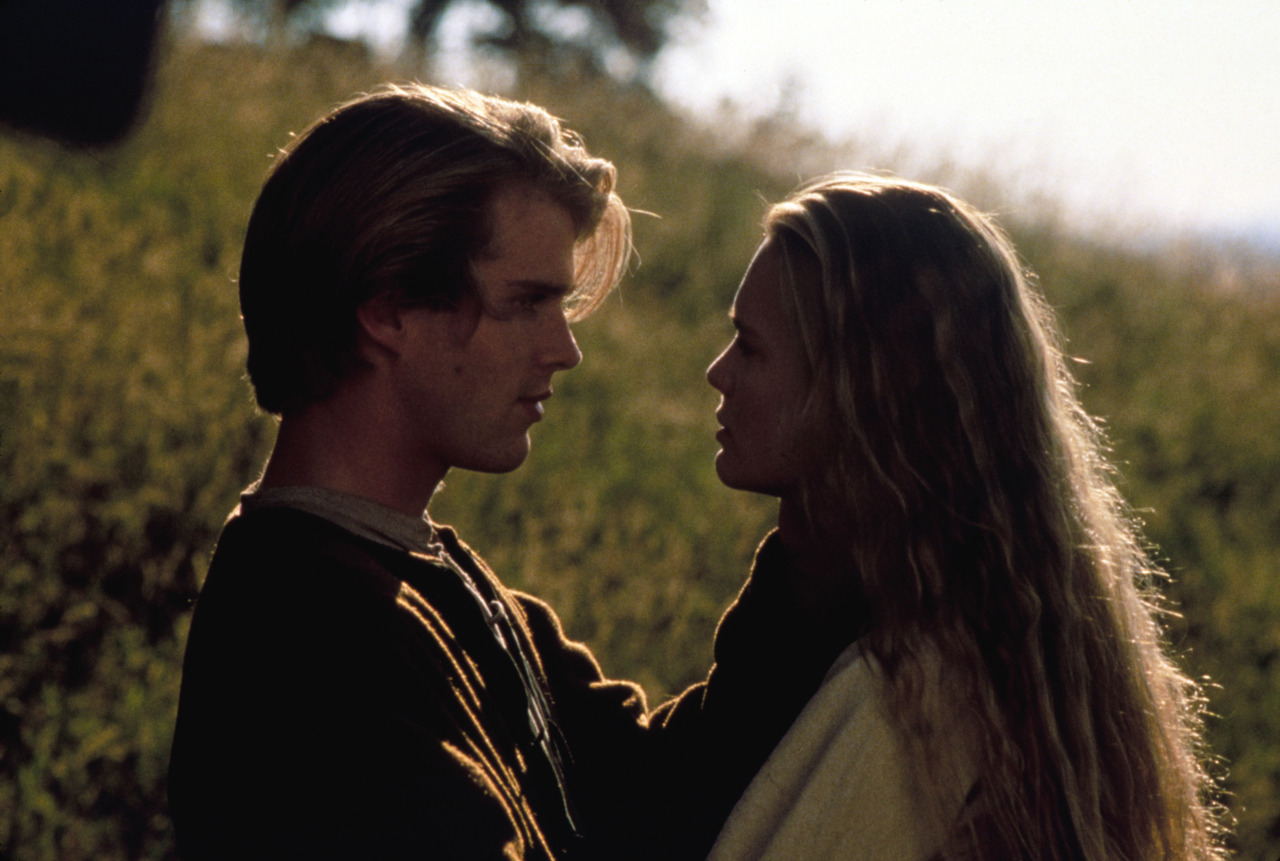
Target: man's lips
(533, 404)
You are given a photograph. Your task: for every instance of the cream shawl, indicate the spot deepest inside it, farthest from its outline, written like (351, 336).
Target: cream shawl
(838, 787)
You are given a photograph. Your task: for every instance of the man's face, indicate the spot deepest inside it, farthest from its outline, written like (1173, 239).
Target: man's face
(471, 381)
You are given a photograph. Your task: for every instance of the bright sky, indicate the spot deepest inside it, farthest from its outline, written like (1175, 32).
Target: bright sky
(1166, 108)
(1151, 114)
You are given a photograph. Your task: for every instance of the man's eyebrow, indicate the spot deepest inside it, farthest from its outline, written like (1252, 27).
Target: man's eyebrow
(534, 285)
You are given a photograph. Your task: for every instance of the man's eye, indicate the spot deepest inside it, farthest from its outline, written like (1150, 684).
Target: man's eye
(530, 301)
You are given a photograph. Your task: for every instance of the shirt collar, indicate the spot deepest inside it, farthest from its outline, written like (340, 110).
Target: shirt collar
(362, 517)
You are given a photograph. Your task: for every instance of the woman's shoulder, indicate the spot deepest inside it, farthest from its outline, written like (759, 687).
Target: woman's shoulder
(842, 783)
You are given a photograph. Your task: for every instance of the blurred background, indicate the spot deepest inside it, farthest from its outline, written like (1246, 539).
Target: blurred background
(1130, 152)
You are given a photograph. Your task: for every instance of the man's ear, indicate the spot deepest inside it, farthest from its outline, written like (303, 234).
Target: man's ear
(380, 328)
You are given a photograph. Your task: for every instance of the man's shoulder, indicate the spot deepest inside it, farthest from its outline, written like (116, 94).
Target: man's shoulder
(280, 554)
(287, 582)
(283, 549)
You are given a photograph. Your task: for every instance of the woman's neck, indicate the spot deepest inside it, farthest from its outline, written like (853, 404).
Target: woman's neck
(825, 581)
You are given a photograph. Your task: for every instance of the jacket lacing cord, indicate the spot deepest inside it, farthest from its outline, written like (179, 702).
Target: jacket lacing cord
(545, 733)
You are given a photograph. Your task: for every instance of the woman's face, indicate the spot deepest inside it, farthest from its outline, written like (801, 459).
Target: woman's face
(763, 381)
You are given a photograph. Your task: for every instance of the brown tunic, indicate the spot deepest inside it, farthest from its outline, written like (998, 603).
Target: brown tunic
(344, 699)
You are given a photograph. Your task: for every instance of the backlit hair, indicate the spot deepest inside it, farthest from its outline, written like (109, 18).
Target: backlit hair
(958, 474)
(389, 196)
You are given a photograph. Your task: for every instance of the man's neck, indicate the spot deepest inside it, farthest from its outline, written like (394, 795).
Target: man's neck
(337, 447)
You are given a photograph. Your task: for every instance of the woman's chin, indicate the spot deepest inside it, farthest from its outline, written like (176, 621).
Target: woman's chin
(733, 476)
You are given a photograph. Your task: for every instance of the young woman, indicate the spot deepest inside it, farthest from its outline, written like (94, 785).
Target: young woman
(946, 509)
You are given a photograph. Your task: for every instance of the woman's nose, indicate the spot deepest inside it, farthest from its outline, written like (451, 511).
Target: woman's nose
(717, 374)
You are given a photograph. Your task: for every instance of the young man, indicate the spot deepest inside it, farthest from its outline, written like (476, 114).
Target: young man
(357, 684)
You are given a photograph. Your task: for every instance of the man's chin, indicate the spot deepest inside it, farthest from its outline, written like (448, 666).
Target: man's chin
(498, 462)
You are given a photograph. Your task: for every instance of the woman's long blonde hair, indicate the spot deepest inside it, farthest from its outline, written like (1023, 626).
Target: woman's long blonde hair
(958, 472)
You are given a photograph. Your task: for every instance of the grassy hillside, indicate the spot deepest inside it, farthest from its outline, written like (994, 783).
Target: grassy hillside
(126, 431)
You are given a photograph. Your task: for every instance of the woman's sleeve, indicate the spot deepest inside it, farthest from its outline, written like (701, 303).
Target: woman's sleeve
(661, 785)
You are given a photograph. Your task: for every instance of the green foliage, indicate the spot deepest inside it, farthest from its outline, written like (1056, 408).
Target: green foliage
(126, 432)
(1183, 358)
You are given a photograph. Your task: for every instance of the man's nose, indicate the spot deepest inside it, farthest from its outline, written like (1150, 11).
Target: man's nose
(562, 351)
